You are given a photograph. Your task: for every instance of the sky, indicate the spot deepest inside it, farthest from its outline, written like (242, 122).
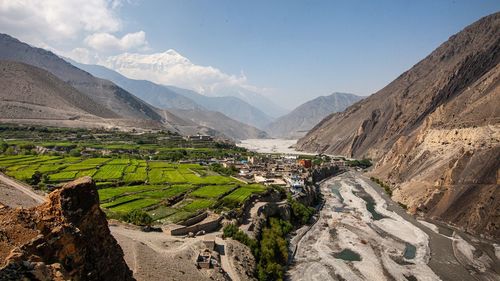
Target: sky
(289, 51)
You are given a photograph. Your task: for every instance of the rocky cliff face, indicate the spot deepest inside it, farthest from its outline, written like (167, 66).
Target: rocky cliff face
(435, 131)
(66, 238)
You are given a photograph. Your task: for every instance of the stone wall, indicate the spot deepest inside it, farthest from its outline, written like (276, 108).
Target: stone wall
(194, 220)
(207, 226)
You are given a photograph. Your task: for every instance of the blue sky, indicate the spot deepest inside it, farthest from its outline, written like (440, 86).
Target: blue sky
(306, 48)
(297, 50)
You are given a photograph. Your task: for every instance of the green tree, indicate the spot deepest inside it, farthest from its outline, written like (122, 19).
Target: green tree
(35, 178)
(138, 217)
(3, 146)
(75, 152)
(10, 151)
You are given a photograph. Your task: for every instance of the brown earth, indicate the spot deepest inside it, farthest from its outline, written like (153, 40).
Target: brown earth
(66, 238)
(434, 131)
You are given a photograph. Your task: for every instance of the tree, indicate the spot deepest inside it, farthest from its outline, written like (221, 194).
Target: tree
(3, 146)
(35, 178)
(138, 217)
(10, 151)
(75, 152)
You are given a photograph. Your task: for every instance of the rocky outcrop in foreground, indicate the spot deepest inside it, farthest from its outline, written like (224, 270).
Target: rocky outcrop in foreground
(434, 131)
(66, 238)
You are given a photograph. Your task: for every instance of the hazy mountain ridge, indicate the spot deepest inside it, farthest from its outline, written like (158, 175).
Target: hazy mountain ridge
(303, 118)
(221, 123)
(198, 110)
(155, 67)
(430, 128)
(233, 107)
(153, 93)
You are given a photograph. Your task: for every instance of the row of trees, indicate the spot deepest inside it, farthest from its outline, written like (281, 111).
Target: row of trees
(270, 251)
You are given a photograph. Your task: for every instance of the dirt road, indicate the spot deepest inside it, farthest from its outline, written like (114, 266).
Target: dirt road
(21, 189)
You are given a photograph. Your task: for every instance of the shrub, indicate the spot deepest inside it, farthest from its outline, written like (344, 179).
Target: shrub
(385, 186)
(300, 211)
(35, 178)
(138, 217)
(75, 152)
(237, 234)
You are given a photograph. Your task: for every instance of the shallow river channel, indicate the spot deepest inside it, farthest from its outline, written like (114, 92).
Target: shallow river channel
(362, 235)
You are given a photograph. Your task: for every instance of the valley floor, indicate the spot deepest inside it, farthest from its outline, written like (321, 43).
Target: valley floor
(362, 235)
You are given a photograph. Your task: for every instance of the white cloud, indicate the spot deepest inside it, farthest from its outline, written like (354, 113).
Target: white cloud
(171, 68)
(65, 25)
(57, 19)
(106, 42)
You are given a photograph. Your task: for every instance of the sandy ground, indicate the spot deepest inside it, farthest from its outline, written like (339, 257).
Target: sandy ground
(158, 256)
(271, 146)
(381, 244)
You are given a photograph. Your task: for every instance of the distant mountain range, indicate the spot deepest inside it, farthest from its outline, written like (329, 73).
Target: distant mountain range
(303, 118)
(94, 101)
(434, 132)
(154, 67)
(169, 97)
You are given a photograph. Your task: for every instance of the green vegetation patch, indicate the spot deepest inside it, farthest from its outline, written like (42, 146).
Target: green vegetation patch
(86, 173)
(108, 193)
(212, 191)
(161, 212)
(140, 175)
(63, 176)
(119, 161)
(134, 205)
(198, 204)
(109, 172)
(242, 193)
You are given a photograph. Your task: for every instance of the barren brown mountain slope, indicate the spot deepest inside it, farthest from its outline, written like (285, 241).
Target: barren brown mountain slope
(37, 93)
(434, 131)
(101, 91)
(221, 123)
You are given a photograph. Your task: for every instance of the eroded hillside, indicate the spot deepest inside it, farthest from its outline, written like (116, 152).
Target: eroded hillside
(434, 131)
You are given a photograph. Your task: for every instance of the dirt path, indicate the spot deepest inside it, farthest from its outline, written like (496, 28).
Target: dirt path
(226, 263)
(24, 188)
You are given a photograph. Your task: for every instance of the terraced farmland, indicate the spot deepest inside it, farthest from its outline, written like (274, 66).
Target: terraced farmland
(167, 191)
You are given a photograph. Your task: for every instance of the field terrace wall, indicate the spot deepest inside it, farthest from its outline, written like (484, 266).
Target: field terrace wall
(194, 220)
(269, 196)
(207, 225)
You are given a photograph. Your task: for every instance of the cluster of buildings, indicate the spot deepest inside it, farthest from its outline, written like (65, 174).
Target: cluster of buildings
(275, 169)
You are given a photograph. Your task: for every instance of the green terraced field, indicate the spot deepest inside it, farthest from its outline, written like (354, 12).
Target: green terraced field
(119, 162)
(139, 175)
(133, 205)
(84, 173)
(162, 212)
(198, 204)
(156, 183)
(109, 172)
(63, 176)
(212, 191)
(108, 193)
(242, 193)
